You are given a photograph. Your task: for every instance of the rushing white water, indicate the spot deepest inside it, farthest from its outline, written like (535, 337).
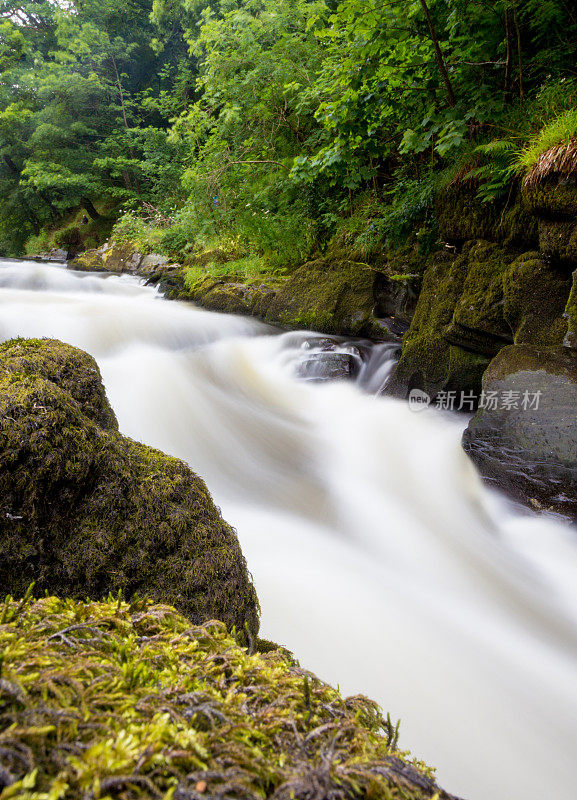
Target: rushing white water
(378, 556)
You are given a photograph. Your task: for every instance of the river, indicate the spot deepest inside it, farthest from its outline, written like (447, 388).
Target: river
(378, 556)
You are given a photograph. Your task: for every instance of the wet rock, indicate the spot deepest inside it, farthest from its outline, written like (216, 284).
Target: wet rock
(333, 295)
(85, 511)
(112, 257)
(463, 216)
(69, 368)
(328, 366)
(473, 305)
(432, 361)
(525, 441)
(57, 255)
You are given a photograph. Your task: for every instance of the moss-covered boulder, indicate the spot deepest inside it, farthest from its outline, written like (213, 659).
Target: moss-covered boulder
(331, 296)
(478, 323)
(116, 701)
(227, 294)
(535, 294)
(85, 511)
(550, 194)
(433, 358)
(524, 438)
(113, 257)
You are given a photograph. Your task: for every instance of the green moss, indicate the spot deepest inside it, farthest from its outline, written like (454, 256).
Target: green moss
(558, 241)
(131, 701)
(535, 295)
(86, 511)
(551, 198)
(571, 315)
(457, 325)
(478, 322)
(331, 296)
(473, 306)
(517, 226)
(72, 370)
(462, 216)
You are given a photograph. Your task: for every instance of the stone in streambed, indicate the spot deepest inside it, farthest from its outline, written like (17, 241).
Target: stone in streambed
(85, 511)
(528, 444)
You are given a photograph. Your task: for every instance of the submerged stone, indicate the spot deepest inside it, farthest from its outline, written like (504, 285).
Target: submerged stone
(85, 511)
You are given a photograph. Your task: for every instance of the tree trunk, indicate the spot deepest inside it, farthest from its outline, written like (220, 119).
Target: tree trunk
(11, 165)
(88, 205)
(439, 56)
(509, 62)
(521, 87)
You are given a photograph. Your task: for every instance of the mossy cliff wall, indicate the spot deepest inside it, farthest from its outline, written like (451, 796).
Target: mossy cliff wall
(507, 283)
(85, 511)
(110, 700)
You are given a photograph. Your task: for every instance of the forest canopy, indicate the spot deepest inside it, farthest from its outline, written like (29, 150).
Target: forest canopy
(261, 126)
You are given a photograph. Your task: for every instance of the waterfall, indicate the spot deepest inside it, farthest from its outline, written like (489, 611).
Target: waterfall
(379, 557)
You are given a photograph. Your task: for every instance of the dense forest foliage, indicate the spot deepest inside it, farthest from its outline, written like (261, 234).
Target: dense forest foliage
(262, 128)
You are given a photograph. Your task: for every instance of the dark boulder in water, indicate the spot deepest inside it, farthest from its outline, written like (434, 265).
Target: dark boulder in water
(525, 439)
(85, 511)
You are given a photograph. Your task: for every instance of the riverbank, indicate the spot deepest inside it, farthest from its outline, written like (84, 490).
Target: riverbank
(501, 278)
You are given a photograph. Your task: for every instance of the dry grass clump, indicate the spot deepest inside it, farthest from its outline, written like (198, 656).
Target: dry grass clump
(560, 160)
(110, 700)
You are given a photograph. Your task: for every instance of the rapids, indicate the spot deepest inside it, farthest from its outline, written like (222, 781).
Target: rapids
(379, 557)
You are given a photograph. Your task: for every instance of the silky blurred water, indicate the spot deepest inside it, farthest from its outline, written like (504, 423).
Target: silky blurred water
(378, 556)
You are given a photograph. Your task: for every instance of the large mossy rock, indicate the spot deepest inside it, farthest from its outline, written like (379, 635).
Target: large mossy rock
(525, 439)
(550, 195)
(118, 701)
(473, 305)
(329, 295)
(85, 511)
(437, 351)
(228, 295)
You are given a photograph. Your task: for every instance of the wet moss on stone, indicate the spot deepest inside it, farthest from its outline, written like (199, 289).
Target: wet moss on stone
(429, 361)
(330, 296)
(66, 366)
(114, 700)
(535, 296)
(85, 511)
(470, 308)
(463, 216)
(553, 202)
(478, 323)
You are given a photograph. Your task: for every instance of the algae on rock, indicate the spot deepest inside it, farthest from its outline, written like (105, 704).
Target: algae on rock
(85, 511)
(132, 701)
(330, 296)
(473, 305)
